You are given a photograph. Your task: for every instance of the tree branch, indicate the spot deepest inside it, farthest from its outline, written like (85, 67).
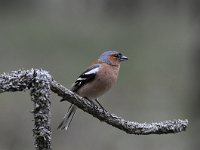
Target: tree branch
(40, 95)
(40, 82)
(130, 127)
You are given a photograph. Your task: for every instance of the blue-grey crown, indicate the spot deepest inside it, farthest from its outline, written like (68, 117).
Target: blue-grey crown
(104, 56)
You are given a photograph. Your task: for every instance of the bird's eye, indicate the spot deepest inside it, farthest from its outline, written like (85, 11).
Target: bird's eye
(117, 55)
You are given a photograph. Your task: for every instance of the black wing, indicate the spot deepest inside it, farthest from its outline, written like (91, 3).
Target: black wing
(87, 76)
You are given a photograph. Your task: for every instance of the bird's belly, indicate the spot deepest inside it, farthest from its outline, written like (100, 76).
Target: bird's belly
(95, 89)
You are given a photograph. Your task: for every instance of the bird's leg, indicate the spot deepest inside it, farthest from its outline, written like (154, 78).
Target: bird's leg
(92, 102)
(96, 100)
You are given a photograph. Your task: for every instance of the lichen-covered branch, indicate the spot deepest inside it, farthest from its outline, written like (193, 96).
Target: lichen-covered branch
(40, 95)
(40, 82)
(130, 127)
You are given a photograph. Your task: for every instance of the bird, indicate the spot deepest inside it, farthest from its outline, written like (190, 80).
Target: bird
(96, 80)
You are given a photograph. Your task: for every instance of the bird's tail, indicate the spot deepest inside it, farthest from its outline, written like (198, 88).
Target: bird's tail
(68, 117)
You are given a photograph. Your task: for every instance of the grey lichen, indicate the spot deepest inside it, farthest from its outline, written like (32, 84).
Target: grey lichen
(40, 83)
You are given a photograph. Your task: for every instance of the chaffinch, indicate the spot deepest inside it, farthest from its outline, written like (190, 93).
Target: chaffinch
(95, 81)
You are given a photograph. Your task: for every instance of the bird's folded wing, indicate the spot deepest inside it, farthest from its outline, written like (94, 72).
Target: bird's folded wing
(87, 76)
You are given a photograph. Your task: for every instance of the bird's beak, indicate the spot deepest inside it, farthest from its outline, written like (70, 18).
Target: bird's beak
(123, 58)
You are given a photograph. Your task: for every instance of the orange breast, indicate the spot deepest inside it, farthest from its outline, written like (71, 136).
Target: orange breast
(103, 81)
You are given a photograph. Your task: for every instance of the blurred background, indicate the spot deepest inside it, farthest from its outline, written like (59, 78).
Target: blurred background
(159, 82)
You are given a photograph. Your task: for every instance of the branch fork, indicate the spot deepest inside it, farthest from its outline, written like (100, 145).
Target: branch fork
(40, 83)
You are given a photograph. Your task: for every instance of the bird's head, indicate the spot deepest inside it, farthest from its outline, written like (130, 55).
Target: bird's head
(112, 58)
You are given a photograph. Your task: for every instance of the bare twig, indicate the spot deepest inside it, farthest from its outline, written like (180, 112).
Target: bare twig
(40, 82)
